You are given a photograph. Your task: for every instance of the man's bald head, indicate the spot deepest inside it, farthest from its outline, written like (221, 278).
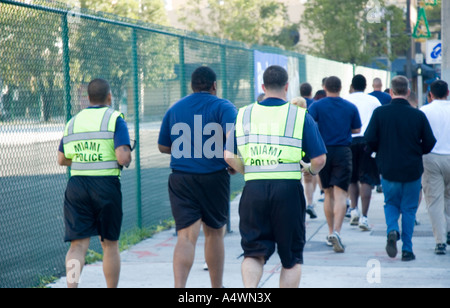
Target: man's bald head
(377, 84)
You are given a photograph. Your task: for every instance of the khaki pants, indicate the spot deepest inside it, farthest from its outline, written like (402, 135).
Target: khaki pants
(436, 187)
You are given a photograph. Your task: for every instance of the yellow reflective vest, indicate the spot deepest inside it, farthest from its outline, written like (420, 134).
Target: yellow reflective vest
(89, 142)
(269, 140)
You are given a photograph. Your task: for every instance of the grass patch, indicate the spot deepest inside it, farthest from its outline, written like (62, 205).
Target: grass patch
(131, 238)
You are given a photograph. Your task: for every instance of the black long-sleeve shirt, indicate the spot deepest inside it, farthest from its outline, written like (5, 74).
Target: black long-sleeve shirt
(400, 134)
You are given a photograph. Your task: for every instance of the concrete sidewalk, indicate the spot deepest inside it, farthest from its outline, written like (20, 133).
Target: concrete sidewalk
(365, 263)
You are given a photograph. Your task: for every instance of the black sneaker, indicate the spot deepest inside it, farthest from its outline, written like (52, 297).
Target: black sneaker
(440, 249)
(408, 256)
(391, 247)
(311, 212)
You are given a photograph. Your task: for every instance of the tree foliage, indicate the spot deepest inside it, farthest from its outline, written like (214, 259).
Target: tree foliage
(31, 50)
(354, 31)
(249, 21)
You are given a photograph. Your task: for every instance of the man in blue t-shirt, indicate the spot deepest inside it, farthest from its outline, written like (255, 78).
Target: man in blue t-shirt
(193, 132)
(306, 93)
(383, 97)
(337, 119)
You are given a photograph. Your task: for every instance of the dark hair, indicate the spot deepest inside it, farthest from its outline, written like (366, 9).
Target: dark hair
(333, 84)
(400, 85)
(439, 89)
(305, 89)
(275, 77)
(359, 83)
(203, 79)
(98, 90)
(320, 94)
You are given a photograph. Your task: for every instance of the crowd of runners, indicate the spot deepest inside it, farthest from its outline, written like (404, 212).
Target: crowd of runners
(345, 144)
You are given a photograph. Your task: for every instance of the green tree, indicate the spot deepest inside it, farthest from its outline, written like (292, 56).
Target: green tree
(30, 62)
(105, 50)
(249, 21)
(150, 11)
(354, 31)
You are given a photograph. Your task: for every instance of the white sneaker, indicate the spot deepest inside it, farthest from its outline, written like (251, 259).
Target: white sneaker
(329, 244)
(338, 246)
(364, 224)
(354, 217)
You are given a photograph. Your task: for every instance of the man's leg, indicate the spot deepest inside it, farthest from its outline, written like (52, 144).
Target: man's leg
(409, 206)
(310, 183)
(329, 208)
(366, 196)
(252, 271)
(290, 278)
(353, 192)
(75, 260)
(433, 188)
(392, 201)
(111, 263)
(215, 254)
(184, 253)
(340, 207)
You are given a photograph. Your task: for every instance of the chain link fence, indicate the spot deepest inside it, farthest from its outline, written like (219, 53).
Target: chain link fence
(48, 55)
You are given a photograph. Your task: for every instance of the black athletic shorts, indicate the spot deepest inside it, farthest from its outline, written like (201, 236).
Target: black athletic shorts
(365, 169)
(272, 213)
(338, 169)
(93, 206)
(200, 196)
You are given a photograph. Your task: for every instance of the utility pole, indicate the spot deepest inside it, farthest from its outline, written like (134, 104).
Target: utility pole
(409, 33)
(446, 40)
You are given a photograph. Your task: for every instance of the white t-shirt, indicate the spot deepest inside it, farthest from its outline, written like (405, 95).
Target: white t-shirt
(366, 104)
(438, 114)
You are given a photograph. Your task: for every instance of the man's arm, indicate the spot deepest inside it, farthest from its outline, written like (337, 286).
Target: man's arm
(356, 123)
(428, 138)
(63, 161)
(164, 150)
(317, 164)
(234, 161)
(123, 155)
(371, 134)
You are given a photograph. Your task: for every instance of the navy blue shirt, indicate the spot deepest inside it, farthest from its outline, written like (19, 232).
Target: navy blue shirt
(312, 143)
(309, 102)
(195, 129)
(336, 118)
(383, 97)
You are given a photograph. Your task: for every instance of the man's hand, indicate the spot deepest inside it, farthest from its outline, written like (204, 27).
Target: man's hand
(307, 168)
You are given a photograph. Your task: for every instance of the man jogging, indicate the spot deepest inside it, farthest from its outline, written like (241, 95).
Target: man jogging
(400, 135)
(365, 174)
(436, 177)
(270, 137)
(193, 131)
(96, 145)
(337, 119)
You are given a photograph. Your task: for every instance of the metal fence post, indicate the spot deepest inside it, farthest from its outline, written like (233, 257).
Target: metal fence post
(136, 128)
(183, 89)
(66, 65)
(223, 68)
(66, 70)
